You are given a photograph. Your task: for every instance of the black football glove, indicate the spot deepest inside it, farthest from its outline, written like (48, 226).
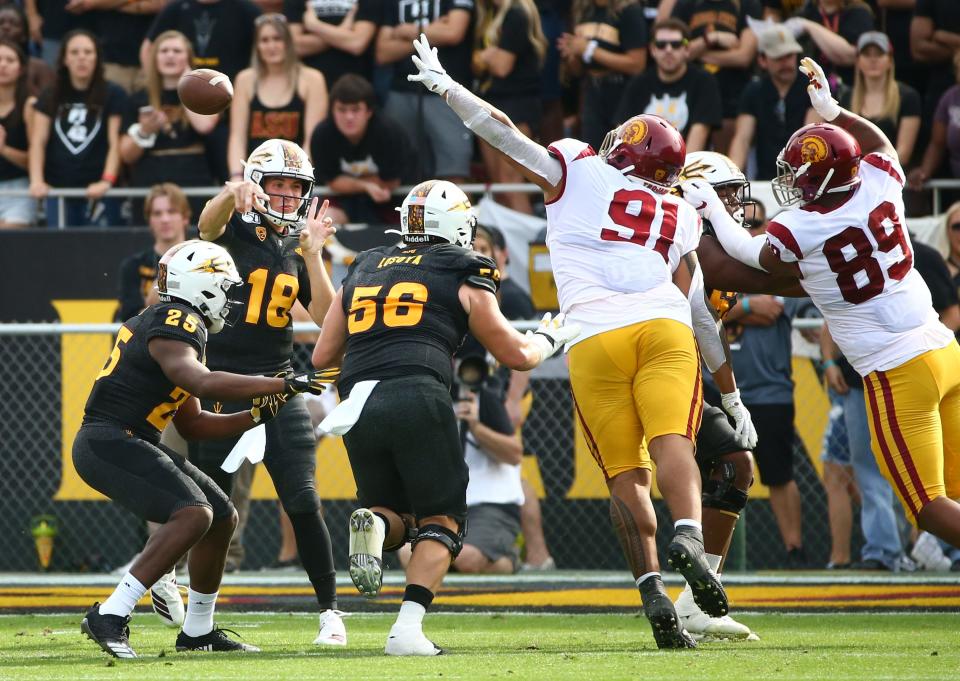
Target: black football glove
(313, 382)
(266, 407)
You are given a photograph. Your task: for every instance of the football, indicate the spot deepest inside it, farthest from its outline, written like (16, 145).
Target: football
(205, 91)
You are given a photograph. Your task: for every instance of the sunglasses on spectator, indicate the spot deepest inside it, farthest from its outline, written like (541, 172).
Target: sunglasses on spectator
(269, 19)
(672, 44)
(955, 227)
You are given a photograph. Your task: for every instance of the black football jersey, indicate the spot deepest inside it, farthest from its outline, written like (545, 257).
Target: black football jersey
(131, 389)
(404, 315)
(275, 275)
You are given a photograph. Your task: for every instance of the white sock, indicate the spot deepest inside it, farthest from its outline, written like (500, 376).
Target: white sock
(645, 576)
(687, 522)
(411, 614)
(713, 560)
(124, 598)
(199, 619)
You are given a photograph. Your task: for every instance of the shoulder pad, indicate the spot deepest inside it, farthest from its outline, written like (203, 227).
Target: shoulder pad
(180, 322)
(569, 150)
(480, 271)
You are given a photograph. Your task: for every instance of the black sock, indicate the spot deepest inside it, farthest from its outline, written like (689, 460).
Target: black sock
(316, 554)
(418, 594)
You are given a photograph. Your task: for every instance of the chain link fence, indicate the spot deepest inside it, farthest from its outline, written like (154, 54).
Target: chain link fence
(46, 376)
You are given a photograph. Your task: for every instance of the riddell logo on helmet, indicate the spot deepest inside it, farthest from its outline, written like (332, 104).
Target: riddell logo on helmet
(634, 132)
(813, 149)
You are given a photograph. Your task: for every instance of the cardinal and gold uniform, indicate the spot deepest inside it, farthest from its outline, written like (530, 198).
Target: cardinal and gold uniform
(614, 246)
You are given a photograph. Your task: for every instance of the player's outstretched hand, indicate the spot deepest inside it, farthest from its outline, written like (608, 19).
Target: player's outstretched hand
(266, 407)
(743, 424)
(553, 333)
(313, 382)
(431, 72)
(318, 227)
(247, 195)
(701, 195)
(819, 90)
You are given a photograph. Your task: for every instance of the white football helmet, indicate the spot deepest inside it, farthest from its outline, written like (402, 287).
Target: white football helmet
(723, 174)
(282, 158)
(200, 274)
(437, 208)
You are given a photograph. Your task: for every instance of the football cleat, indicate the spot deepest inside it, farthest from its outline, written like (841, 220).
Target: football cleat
(685, 554)
(410, 640)
(166, 600)
(332, 631)
(216, 641)
(702, 627)
(366, 550)
(110, 632)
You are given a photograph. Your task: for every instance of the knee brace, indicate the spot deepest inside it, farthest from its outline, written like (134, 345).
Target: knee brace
(409, 535)
(726, 494)
(438, 533)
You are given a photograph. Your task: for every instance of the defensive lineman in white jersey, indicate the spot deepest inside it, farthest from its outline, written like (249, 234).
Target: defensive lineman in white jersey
(622, 253)
(847, 243)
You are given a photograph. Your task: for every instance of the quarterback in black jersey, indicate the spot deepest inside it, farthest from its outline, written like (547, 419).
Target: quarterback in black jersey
(395, 323)
(275, 233)
(155, 374)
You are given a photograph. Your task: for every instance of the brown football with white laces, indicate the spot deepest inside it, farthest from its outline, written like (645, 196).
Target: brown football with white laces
(205, 91)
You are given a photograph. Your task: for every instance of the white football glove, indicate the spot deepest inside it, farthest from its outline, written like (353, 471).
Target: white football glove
(431, 72)
(819, 90)
(552, 335)
(746, 432)
(701, 195)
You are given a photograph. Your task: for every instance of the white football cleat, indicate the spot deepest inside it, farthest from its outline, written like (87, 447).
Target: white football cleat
(928, 553)
(410, 640)
(704, 628)
(332, 631)
(367, 533)
(167, 601)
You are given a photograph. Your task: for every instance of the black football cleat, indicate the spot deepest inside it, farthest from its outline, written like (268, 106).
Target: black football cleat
(686, 555)
(110, 632)
(216, 641)
(668, 632)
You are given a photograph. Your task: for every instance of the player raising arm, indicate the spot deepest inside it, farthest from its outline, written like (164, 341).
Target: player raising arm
(843, 235)
(622, 253)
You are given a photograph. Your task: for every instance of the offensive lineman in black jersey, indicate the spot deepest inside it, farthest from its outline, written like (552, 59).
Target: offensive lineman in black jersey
(276, 234)
(397, 320)
(151, 377)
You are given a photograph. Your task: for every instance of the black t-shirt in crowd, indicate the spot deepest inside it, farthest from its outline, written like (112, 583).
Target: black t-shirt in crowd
(57, 21)
(515, 303)
(945, 15)
(333, 62)
(849, 23)
(910, 105)
(524, 79)
(121, 35)
(777, 118)
(137, 276)
(456, 59)
(78, 145)
(379, 153)
(221, 32)
(694, 98)
(627, 31)
(16, 130)
(132, 389)
(929, 263)
(729, 16)
(261, 340)
(404, 315)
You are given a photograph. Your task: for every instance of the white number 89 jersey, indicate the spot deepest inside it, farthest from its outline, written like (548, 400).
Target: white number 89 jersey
(857, 266)
(615, 244)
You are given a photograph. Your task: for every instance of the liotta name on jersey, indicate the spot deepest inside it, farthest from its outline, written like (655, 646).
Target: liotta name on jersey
(400, 260)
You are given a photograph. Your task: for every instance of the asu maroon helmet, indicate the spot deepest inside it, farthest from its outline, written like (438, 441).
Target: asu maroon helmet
(818, 159)
(646, 147)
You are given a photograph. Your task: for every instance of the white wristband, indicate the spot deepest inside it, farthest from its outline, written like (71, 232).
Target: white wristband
(829, 110)
(143, 141)
(588, 51)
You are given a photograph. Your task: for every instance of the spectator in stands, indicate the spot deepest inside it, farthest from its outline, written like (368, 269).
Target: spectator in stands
(940, 280)
(360, 153)
(944, 136)
(934, 41)
(15, 211)
(74, 141)
(834, 27)
(50, 21)
(952, 224)
(162, 138)
(277, 97)
(167, 214)
(878, 96)
(781, 10)
(838, 483)
(13, 26)
(510, 51)
(684, 94)
(554, 21)
(725, 45)
(607, 47)
(779, 91)
(445, 146)
(335, 36)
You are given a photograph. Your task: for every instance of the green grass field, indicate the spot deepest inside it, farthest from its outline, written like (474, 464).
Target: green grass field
(504, 646)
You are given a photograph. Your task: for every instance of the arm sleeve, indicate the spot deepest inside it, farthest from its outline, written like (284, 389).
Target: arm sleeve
(736, 240)
(705, 325)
